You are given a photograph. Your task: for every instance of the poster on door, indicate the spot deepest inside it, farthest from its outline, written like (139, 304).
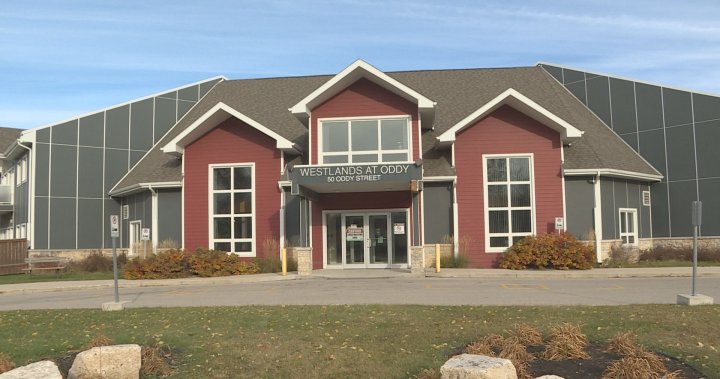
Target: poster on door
(354, 233)
(399, 228)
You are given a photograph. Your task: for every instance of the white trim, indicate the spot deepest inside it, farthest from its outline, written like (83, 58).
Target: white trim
(449, 178)
(358, 69)
(154, 220)
(519, 102)
(509, 208)
(217, 114)
(349, 153)
(182, 205)
(158, 94)
(456, 227)
(232, 215)
(625, 78)
(611, 172)
(140, 186)
(634, 233)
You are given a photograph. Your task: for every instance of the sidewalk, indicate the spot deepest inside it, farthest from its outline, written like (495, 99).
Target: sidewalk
(357, 274)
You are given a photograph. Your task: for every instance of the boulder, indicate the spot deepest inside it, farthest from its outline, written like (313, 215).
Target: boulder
(549, 377)
(117, 362)
(37, 370)
(471, 366)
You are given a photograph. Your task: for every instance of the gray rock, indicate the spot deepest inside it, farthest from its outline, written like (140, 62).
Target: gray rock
(549, 377)
(471, 366)
(37, 370)
(116, 362)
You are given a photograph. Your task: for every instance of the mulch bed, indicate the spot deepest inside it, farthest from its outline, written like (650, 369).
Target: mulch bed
(593, 368)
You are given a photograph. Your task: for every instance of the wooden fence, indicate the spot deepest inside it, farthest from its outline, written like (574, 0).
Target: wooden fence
(12, 256)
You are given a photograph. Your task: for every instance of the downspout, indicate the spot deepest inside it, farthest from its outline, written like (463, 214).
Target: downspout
(598, 218)
(30, 200)
(153, 217)
(282, 217)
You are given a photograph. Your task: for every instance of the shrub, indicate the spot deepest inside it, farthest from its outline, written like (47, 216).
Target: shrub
(271, 264)
(553, 250)
(665, 253)
(566, 341)
(96, 262)
(209, 263)
(181, 264)
(165, 265)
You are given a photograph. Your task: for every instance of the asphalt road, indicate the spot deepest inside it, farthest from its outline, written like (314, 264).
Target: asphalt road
(427, 291)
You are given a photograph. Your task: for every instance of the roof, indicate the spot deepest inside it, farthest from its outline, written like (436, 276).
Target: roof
(458, 93)
(7, 137)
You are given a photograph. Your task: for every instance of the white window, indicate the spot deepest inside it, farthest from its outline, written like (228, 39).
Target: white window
(369, 140)
(232, 208)
(646, 198)
(22, 170)
(628, 226)
(509, 200)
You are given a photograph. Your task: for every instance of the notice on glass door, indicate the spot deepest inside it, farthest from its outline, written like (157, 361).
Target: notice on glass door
(398, 228)
(354, 233)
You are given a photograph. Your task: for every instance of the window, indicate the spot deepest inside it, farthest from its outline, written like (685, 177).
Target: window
(646, 198)
(22, 170)
(232, 209)
(365, 141)
(628, 226)
(509, 208)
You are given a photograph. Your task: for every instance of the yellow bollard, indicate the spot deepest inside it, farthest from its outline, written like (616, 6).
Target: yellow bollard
(284, 261)
(437, 257)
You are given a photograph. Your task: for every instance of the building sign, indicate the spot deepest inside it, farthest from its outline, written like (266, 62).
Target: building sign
(145, 234)
(559, 223)
(114, 226)
(398, 228)
(354, 233)
(318, 176)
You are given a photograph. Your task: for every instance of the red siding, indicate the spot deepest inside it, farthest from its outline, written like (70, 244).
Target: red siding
(505, 131)
(360, 99)
(231, 142)
(350, 201)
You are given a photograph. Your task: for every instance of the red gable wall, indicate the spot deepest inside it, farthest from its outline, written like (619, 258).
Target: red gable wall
(364, 98)
(231, 142)
(505, 131)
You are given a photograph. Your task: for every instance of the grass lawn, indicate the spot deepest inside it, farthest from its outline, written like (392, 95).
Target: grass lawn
(345, 341)
(53, 277)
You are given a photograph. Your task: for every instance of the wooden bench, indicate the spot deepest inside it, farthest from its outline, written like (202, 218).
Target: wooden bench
(45, 263)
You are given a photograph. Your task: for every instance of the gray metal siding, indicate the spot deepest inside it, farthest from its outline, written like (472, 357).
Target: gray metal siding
(607, 196)
(579, 204)
(622, 193)
(170, 215)
(139, 209)
(672, 129)
(437, 211)
(62, 223)
(81, 159)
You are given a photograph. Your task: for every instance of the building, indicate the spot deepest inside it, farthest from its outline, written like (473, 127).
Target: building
(364, 164)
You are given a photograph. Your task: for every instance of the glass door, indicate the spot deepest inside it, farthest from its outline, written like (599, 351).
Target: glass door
(355, 236)
(379, 245)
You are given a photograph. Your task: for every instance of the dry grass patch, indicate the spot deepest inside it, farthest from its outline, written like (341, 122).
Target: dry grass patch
(623, 343)
(493, 340)
(566, 341)
(154, 361)
(480, 348)
(6, 363)
(527, 335)
(638, 367)
(99, 341)
(517, 353)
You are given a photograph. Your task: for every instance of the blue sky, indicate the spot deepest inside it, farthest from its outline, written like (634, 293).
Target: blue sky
(60, 58)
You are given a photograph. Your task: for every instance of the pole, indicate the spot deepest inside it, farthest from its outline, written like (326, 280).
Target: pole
(695, 251)
(284, 261)
(437, 257)
(115, 270)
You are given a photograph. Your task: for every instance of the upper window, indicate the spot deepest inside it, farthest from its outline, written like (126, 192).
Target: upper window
(509, 210)
(365, 140)
(232, 209)
(628, 226)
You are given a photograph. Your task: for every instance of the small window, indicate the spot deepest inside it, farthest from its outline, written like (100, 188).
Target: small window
(628, 226)
(646, 198)
(365, 141)
(125, 212)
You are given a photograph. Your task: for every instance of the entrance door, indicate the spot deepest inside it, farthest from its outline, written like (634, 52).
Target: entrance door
(371, 239)
(135, 238)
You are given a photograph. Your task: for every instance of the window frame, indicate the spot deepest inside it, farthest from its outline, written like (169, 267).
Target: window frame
(379, 151)
(509, 208)
(634, 233)
(211, 215)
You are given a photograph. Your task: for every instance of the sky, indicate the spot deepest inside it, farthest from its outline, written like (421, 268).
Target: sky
(60, 59)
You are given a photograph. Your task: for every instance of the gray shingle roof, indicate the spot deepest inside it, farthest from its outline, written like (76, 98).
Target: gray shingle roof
(457, 93)
(8, 136)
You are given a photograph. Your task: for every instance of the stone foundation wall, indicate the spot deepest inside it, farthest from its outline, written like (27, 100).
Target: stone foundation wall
(446, 250)
(649, 243)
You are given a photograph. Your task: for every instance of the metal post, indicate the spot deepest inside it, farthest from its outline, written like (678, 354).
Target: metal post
(695, 249)
(437, 257)
(115, 270)
(284, 261)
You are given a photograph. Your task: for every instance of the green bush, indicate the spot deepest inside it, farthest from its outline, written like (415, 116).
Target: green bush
(559, 251)
(274, 264)
(451, 261)
(181, 264)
